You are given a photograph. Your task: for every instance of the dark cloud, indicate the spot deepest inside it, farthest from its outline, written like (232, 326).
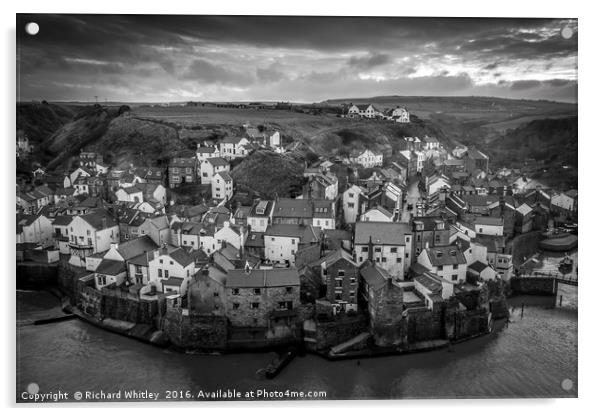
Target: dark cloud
(171, 57)
(205, 72)
(369, 61)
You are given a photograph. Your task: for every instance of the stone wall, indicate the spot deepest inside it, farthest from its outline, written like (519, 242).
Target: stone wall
(465, 324)
(422, 324)
(333, 332)
(36, 275)
(195, 331)
(533, 285)
(123, 308)
(387, 324)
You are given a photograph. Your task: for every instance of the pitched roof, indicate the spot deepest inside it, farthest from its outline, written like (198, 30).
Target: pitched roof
(430, 281)
(478, 266)
(132, 248)
(386, 233)
(374, 276)
(293, 208)
(62, 220)
(217, 161)
(499, 221)
(262, 278)
(110, 267)
(97, 219)
(225, 176)
(305, 233)
(445, 255)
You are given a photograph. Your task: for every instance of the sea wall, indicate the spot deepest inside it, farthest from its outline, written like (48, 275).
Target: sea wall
(36, 275)
(340, 329)
(195, 331)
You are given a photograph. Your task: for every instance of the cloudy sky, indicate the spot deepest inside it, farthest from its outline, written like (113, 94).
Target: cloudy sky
(301, 59)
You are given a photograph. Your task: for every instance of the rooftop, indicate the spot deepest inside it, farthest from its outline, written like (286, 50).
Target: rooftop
(262, 278)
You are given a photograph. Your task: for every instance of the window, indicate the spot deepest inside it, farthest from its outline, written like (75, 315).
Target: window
(455, 267)
(171, 262)
(87, 232)
(339, 283)
(102, 280)
(235, 291)
(439, 268)
(166, 274)
(384, 259)
(254, 305)
(89, 241)
(454, 277)
(160, 272)
(351, 195)
(293, 240)
(337, 296)
(341, 273)
(257, 291)
(377, 249)
(393, 249)
(364, 249)
(235, 305)
(289, 289)
(215, 294)
(407, 255)
(361, 259)
(407, 239)
(351, 205)
(161, 261)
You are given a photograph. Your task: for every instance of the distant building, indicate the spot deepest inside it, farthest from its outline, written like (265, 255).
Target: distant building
(182, 170)
(367, 158)
(363, 110)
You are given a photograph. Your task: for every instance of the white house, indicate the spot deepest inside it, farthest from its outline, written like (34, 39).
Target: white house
(35, 229)
(210, 166)
(230, 233)
(489, 225)
(205, 152)
(260, 215)
(399, 115)
(170, 269)
(353, 199)
(367, 158)
(129, 194)
(113, 266)
(435, 184)
(389, 245)
(481, 271)
(282, 241)
(430, 143)
(562, 201)
(234, 147)
(433, 287)
(377, 214)
(222, 186)
(91, 233)
(447, 262)
(79, 172)
(363, 110)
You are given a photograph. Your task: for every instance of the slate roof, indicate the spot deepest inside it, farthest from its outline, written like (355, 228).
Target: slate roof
(335, 256)
(95, 219)
(262, 278)
(496, 221)
(293, 208)
(217, 161)
(385, 233)
(255, 239)
(62, 220)
(111, 267)
(225, 176)
(430, 281)
(478, 266)
(445, 255)
(374, 276)
(173, 281)
(305, 233)
(132, 248)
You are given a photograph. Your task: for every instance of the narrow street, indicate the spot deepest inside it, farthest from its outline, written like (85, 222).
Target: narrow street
(413, 197)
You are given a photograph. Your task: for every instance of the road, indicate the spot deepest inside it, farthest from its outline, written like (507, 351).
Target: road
(412, 198)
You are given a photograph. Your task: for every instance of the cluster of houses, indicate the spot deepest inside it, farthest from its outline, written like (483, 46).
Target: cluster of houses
(398, 114)
(345, 247)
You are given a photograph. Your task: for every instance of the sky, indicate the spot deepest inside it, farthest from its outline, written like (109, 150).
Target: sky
(153, 58)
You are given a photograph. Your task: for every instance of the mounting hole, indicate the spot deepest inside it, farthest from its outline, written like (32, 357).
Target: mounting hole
(566, 32)
(32, 28)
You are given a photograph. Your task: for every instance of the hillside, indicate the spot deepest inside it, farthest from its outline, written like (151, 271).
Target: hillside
(552, 142)
(268, 173)
(40, 120)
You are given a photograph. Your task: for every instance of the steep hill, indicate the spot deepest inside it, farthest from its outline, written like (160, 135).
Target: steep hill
(40, 120)
(268, 173)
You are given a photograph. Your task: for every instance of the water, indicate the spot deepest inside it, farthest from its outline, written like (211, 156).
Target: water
(530, 357)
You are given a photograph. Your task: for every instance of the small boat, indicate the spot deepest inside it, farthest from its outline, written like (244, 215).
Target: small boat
(566, 265)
